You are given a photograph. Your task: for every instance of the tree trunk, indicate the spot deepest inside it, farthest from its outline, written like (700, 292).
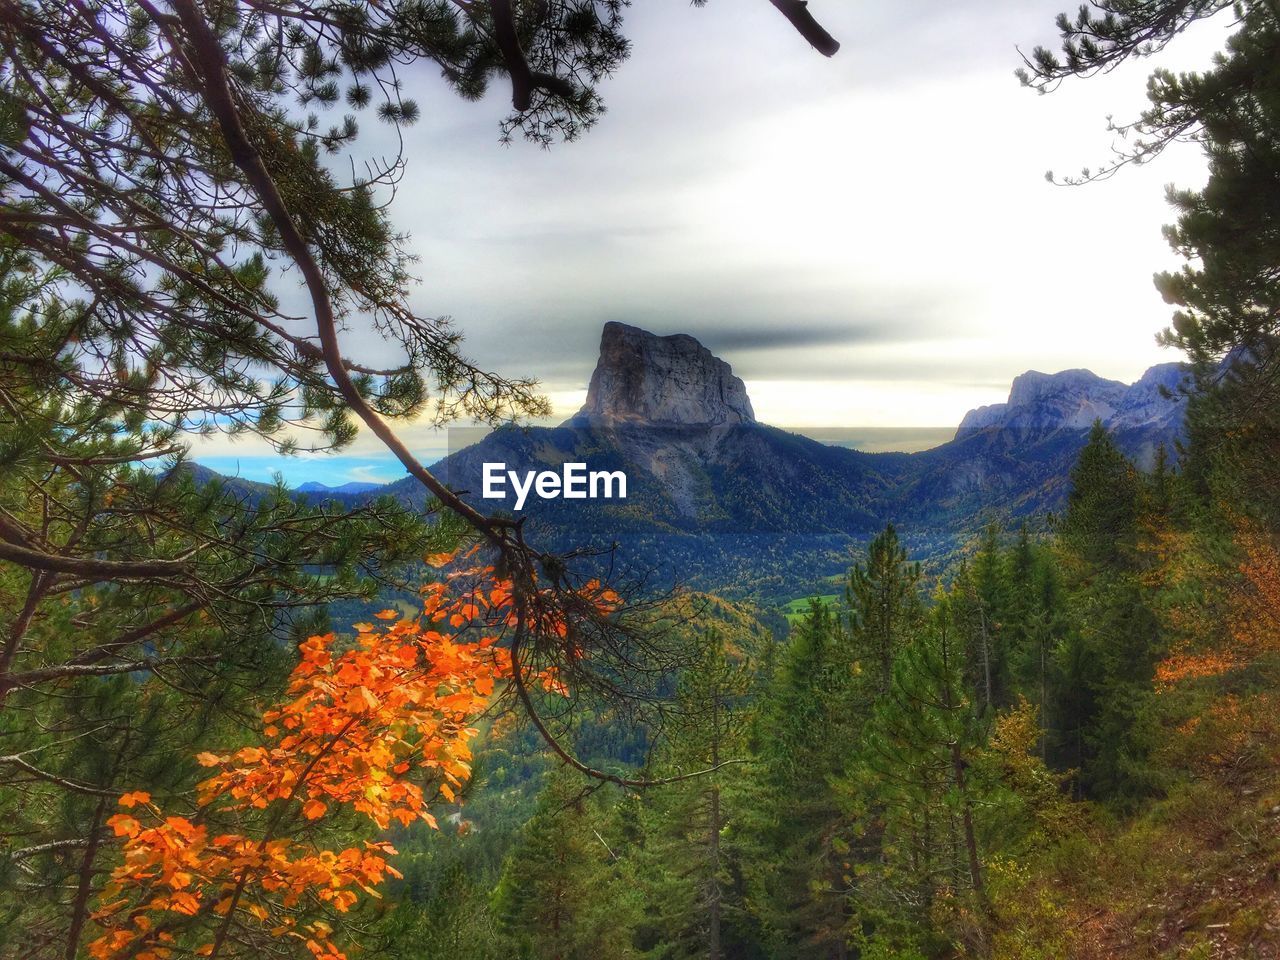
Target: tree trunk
(84, 887)
(966, 808)
(986, 653)
(713, 842)
(1044, 701)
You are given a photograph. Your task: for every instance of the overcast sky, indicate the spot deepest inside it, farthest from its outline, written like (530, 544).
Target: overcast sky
(869, 240)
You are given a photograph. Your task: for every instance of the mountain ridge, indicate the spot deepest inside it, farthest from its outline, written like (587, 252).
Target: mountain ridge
(1073, 399)
(351, 486)
(715, 496)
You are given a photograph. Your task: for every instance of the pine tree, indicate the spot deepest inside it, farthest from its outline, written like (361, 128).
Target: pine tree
(1047, 629)
(1106, 663)
(915, 778)
(1022, 572)
(884, 605)
(981, 599)
(453, 920)
(1100, 525)
(1004, 580)
(806, 732)
(558, 898)
(694, 861)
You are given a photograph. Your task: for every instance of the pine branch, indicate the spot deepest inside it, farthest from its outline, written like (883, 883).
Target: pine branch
(523, 80)
(91, 568)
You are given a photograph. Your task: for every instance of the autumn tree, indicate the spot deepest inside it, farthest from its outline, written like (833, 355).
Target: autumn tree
(137, 589)
(378, 728)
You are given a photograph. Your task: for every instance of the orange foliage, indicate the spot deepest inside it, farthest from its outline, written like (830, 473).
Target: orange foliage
(1253, 616)
(1235, 734)
(1190, 666)
(356, 730)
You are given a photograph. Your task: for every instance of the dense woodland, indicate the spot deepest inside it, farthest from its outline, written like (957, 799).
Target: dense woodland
(227, 733)
(1068, 749)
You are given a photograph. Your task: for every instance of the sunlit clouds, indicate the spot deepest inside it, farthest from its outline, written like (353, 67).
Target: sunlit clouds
(869, 240)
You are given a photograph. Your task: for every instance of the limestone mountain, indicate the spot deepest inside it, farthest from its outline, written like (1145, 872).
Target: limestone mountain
(652, 380)
(720, 500)
(1041, 405)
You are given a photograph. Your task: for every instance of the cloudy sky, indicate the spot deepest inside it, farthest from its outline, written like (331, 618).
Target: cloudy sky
(869, 240)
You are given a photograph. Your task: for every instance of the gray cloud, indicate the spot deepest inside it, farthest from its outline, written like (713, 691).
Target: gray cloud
(785, 209)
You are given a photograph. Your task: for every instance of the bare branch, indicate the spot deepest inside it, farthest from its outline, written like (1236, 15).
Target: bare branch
(797, 13)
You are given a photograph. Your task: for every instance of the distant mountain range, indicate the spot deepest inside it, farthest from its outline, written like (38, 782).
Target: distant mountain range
(354, 486)
(1043, 404)
(720, 500)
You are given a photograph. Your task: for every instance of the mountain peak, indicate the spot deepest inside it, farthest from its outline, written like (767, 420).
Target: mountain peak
(352, 486)
(644, 378)
(1041, 403)
(1082, 385)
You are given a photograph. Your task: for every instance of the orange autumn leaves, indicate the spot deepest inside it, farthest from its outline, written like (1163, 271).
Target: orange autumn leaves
(1255, 621)
(1253, 616)
(358, 721)
(380, 726)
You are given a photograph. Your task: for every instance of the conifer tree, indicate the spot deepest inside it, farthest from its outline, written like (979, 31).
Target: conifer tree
(915, 778)
(696, 894)
(453, 920)
(981, 597)
(1100, 524)
(1037, 625)
(1107, 661)
(884, 605)
(806, 734)
(997, 591)
(557, 898)
(1022, 571)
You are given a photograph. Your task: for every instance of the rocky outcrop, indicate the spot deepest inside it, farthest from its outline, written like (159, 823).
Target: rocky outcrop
(717, 500)
(642, 378)
(979, 418)
(1154, 401)
(1043, 403)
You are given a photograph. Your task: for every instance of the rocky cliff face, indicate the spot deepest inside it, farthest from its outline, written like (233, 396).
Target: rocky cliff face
(717, 500)
(1145, 404)
(1042, 403)
(646, 379)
